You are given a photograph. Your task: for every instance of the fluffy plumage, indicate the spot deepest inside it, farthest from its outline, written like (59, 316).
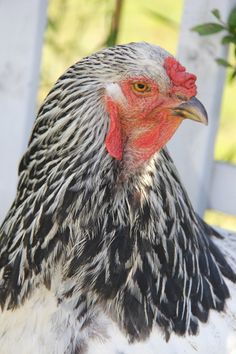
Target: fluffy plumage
(92, 241)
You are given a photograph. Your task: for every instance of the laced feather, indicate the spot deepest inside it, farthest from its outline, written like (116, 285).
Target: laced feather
(134, 247)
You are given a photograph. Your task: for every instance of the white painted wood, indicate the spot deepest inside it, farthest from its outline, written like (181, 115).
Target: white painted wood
(22, 25)
(222, 193)
(193, 145)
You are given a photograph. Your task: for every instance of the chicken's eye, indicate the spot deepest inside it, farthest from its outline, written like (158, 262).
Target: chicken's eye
(141, 87)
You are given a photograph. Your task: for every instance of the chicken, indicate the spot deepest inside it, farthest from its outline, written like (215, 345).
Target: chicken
(101, 251)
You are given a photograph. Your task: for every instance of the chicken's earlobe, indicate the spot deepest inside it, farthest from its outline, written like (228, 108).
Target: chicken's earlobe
(113, 140)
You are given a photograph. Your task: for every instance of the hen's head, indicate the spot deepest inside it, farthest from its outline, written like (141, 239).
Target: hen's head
(122, 103)
(147, 95)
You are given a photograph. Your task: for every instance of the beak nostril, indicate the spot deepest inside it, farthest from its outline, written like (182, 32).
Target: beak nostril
(182, 97)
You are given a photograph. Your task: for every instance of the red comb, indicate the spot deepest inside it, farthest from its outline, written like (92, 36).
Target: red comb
(182, 81)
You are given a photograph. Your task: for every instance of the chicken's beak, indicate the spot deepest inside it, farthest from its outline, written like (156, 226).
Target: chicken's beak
(192, 109)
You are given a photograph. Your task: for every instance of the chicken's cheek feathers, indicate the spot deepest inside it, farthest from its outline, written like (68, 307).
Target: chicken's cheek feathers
(113, 140)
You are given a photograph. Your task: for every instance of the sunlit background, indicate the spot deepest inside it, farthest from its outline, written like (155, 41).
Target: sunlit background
(78, 28)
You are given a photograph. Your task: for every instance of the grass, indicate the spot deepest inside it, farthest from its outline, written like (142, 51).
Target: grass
(77, 30)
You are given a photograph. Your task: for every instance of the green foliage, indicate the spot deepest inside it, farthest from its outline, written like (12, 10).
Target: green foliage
(223, 62)
(216, 13)
(232, 21)
(208, 28)
(229, 38)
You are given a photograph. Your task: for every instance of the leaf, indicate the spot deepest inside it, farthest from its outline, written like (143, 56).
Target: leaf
(228, 39)
(233, 75)
(223, 62)
(208, 28)
(232, 20)
(216, 13)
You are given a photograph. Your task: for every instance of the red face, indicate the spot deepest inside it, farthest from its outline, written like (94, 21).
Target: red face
(143, 122)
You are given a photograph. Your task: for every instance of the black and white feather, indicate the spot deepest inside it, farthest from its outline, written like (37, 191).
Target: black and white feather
(91, 261)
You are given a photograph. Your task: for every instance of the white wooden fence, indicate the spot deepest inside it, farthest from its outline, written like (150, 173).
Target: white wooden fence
(22, 26)
(210, 184)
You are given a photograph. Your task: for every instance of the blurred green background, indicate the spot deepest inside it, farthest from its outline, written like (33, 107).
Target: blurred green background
(77, 28)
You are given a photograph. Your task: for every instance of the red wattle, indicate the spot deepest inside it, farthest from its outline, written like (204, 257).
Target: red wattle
(113, 140)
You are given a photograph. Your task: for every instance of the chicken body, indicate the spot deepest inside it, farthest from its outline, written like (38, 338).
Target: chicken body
(43, 327)
(102, 250)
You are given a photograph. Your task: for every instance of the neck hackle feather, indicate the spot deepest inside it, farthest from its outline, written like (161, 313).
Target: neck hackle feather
(126, 244)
